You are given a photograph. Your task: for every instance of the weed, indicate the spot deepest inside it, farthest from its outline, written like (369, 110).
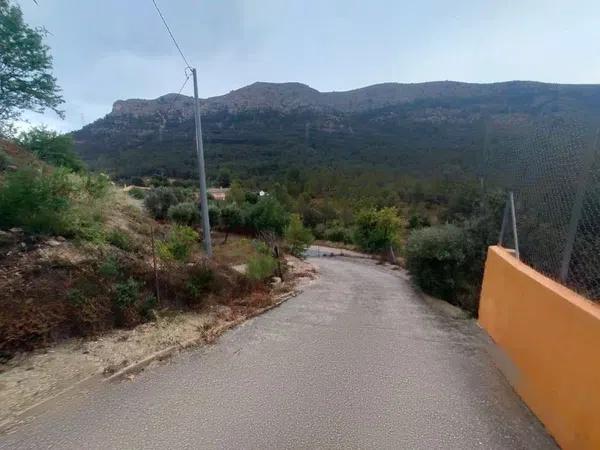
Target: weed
(119, 239)
(110, 268)
(126, 294)
(261, 267)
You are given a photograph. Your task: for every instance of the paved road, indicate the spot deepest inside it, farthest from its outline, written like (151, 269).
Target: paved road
(357, 361)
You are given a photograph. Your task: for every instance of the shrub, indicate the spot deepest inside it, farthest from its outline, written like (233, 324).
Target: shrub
(297, 236)
(336, 232)
(159, 200)
(435, 257)
(126, 294)
(378, 230)
(119, 239)
(184, 213)
(137, 181)
(214, 214)
(37, 200)
(231, 218)
(267, 215)
(137, 193)
(200, 281)
(179, 244)
(54, 148)
(260, 267)
(5, 160)
(110, 268)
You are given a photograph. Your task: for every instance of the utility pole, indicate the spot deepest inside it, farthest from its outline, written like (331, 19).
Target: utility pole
(201, 171)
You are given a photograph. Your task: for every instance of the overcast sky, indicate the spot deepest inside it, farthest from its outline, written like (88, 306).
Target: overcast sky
(106, 50)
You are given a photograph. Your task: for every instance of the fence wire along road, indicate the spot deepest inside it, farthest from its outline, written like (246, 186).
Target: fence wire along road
(552, 170)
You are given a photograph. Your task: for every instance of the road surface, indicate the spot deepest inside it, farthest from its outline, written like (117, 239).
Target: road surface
(358, 360)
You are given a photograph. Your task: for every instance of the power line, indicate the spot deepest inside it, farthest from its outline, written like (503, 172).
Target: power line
(171, 34)
(187, 78)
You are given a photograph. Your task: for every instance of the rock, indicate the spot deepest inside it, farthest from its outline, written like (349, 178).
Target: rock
(276, 280)
(61, 238)
(16, 230)
(53, 243)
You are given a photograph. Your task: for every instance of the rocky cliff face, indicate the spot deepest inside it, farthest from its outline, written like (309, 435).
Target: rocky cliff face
(407, 125)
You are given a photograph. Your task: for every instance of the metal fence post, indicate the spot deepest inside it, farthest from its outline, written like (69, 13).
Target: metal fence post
(514, 224)
(584, 178)
(504, 220)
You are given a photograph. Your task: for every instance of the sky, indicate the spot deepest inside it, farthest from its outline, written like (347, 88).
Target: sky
(105, 50)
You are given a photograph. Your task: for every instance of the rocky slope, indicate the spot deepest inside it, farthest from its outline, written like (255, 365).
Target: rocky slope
(269, 126)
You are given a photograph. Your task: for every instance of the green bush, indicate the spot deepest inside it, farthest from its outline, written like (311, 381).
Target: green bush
(336, 232)
(110, 268)
(137, 181)
(260, 267)
(378, 230)
(266, 215)
(5, 160)
(436, 258)
(231, 218)
(126, 294)
(137, 193)
(214, 214)
(119, 239)
(201, 280)
(54, 148)
(38, 201)
(179, 244)
(159, 200)
(298, 237)
(184, 213)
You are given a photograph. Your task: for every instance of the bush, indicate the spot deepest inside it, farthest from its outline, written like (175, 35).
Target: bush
(37, 201)
(267, 215)
(201, 280)
(5, 160)
(137, 193)
(231, 218)
(159, 200)
(137, 181)
(184, 213)
(297, 237)
(54, 148)
(336, 232)
(378, 230)
(179, 244)
(110, 268)
(260, 267)
(436, 257)
(119, 239)
(126, 294)
(214, 214)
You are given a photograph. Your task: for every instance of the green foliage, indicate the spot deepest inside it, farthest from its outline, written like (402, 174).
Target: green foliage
(377, 230)
(5, 160)
(119, 239)
(159, 200)
(110, 267)
(26, 82)
(201, 280)
(236, 193)
(224, 178)
(416, 221)
(298, 237)
(214, 214)
(179, 244)
(231, 217)
(260, 267)
(186, 213)
(39, 201)
(126, 294)
(137, 193)
(336, 232)
(435, 257)
(137, 181)
(267, 215)
(51, 147)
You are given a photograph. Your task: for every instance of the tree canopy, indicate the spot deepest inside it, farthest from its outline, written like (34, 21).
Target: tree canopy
(26, 81)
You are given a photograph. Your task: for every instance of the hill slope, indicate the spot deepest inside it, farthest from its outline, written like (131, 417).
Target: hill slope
(263, 129)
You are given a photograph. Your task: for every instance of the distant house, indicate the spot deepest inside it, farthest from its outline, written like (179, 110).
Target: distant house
(219, 194)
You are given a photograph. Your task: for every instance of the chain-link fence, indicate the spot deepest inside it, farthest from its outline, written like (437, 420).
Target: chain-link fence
(552, 169)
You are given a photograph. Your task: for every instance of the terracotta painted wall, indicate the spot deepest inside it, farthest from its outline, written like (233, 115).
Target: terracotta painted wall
(551, 337)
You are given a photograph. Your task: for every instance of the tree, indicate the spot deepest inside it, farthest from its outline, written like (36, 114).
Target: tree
(378, 230)
(224, 178)
(298, 238)
(159, 200)
(231, 218)
(26, 82)
(54, 148)
(267, 215)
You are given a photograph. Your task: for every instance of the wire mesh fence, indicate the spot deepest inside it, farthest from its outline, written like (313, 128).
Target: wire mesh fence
(552, 168)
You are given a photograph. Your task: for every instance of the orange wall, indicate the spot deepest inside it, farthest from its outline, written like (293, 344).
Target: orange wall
(551, 337)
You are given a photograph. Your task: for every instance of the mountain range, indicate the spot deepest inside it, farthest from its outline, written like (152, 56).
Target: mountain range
(264, 129)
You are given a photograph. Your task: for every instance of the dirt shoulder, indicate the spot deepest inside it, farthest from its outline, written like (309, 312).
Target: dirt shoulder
(31, 378)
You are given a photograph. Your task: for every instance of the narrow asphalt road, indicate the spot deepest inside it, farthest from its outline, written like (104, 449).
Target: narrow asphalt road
(357, 361)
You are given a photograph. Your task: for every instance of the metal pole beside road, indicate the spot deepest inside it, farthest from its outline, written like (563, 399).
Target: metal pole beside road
(201, 171)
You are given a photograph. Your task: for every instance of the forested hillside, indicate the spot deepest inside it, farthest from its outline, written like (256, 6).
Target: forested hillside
(263, 130)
